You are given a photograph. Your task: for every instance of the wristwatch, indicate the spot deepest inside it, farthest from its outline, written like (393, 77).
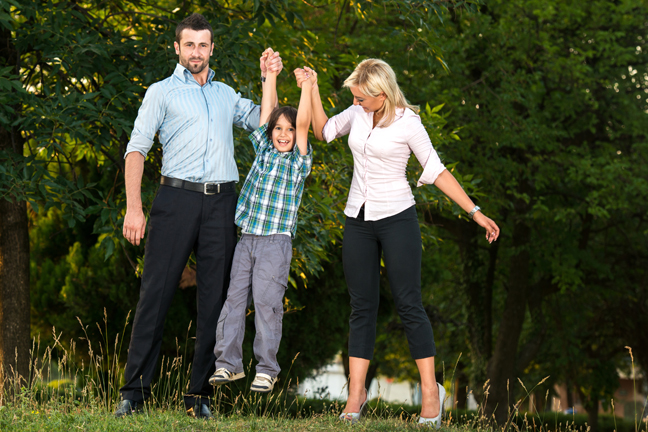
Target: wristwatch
(473, 211)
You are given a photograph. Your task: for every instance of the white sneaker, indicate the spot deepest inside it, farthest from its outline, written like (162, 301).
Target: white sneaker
(263, 383)
(223, 376)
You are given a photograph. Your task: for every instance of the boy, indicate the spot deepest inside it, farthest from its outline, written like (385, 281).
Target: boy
(267, 214)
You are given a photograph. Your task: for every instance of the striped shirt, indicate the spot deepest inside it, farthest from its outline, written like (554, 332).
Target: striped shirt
(195, 126)
(272, 191)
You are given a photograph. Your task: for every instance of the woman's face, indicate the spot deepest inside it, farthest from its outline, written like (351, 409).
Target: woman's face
(368, 103)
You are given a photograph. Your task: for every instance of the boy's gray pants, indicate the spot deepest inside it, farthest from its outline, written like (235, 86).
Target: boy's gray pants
(260, 272)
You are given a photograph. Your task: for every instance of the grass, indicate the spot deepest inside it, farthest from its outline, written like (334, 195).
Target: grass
(68, 391)
(88, 420)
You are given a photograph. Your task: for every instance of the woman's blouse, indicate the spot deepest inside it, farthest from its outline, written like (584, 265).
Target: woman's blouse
(380, 158)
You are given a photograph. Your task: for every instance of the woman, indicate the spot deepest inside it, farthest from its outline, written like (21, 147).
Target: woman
(383, 130)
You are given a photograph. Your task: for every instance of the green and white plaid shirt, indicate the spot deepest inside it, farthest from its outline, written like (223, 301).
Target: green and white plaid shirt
(272, 191)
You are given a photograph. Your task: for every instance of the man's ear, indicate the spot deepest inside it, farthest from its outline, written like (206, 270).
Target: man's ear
(212, 49)
(177, 47)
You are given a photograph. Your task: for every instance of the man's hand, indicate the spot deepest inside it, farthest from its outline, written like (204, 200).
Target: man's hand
(263, 59)
(273, 62)
(134, 226)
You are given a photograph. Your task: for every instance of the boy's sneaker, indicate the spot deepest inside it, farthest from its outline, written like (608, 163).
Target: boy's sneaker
(263, 383)
(223, 376)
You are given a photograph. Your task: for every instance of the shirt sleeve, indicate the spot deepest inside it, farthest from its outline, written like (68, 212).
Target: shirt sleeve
(338, 125)
(247, 115)
(259, 139)
(149, 119)
(305, 161)
(420, 144)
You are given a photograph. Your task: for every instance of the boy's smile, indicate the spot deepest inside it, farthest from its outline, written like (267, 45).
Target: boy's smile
(283, 135)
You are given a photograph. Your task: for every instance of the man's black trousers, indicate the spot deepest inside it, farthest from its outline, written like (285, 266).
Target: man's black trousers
(180, 222)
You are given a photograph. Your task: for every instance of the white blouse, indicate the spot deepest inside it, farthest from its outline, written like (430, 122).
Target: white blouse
(380, 158)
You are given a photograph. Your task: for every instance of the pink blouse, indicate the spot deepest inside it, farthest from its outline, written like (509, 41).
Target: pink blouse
(380, 158)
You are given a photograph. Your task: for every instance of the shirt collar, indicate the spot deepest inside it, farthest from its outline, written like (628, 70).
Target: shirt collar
(186, 76)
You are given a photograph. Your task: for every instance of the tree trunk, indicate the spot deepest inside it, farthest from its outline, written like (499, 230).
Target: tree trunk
(501, 367)
(371, 373)
(14, 285)
(477, 282)
(461, 389)
(592, 408)
(14, 259)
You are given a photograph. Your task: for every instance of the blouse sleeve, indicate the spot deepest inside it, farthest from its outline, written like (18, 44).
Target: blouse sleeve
(338, 125)
(420, 144)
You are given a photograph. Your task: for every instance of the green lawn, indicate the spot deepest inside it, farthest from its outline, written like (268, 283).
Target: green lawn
(14, 419)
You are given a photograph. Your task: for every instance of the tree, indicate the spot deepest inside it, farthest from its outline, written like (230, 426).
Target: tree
(552, 99)
(14, 243)
(84, 70)
(75, 75)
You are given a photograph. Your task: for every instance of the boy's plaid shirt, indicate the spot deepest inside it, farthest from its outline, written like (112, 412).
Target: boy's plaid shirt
(272, 191)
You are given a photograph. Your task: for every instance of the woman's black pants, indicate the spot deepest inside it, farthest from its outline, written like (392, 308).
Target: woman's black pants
(398, 237)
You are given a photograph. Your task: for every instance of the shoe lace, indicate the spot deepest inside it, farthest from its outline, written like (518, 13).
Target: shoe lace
(224, 372)
(263, 379)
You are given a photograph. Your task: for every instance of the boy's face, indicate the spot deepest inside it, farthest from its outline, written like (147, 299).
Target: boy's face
(283, 135)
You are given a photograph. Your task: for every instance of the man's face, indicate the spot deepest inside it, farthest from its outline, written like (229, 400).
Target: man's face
(194, 49)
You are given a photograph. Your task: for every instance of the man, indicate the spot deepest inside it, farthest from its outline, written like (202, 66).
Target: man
(192, 211)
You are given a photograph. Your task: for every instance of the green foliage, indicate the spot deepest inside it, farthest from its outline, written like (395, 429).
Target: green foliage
(83, 70)
(552, 100)
(538, 108)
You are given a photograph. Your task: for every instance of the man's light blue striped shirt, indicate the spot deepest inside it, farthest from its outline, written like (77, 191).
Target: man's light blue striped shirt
(195, 126)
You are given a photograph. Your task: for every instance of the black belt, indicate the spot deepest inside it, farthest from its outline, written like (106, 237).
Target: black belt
(206, 188)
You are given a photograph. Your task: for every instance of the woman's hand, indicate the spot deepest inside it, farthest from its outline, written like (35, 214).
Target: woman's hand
(300, 76)
(492, 230)
(312, 74)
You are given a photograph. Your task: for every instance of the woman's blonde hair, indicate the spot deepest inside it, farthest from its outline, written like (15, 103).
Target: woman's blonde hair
(373, 77)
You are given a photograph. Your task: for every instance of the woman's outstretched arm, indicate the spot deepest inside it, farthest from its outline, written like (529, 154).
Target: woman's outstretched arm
(303, 113)
(451, 187)
(319, 116)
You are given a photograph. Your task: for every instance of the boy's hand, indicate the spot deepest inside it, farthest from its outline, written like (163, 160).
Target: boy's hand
(312, 74)
(263, 59)
(301, 76)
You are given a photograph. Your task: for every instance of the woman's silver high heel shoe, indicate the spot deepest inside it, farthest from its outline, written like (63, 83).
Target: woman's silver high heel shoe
(354, 418)
(435, 421)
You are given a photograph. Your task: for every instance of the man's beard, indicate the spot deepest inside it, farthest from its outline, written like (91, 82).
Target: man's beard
(193, 68)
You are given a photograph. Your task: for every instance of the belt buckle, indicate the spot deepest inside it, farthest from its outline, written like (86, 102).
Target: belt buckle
(212, 193)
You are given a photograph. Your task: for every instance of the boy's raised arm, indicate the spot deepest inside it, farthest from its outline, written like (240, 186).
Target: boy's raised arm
(304, 113)
(269, 98)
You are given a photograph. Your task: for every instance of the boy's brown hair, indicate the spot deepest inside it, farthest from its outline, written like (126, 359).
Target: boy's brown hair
(289, 112)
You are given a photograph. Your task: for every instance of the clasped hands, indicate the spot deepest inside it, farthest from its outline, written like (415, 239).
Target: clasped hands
(270, 61)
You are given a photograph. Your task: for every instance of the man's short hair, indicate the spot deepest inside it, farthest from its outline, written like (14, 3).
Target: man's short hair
(195, 22)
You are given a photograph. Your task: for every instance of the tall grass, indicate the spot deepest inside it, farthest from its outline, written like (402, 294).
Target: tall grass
(86, 375)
